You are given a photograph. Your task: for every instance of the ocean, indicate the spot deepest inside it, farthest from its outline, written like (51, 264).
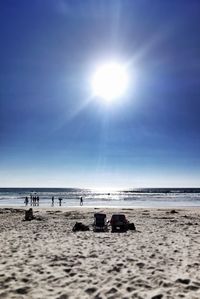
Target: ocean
(144, 197)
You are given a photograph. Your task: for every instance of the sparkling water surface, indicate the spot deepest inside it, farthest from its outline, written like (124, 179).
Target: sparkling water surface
(147, 197)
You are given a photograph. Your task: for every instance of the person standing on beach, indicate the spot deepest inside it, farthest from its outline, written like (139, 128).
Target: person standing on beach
(52, 201)
(26, 201)
(60, 201)
(81, 201)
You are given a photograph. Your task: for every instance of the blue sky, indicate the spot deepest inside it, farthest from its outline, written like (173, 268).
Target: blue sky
(53, 133)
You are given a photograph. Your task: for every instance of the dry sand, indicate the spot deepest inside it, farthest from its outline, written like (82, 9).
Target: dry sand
(45, 259)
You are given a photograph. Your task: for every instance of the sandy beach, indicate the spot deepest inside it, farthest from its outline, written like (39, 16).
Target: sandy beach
(43, 258)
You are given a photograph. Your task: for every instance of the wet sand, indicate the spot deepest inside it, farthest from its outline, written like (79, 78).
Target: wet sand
(43, 258)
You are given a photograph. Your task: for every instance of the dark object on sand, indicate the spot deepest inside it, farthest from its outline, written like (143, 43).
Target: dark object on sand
(100, 223)
(119, 223)
(29, 215)
(173, 212)
(79, 226)
(131, 226)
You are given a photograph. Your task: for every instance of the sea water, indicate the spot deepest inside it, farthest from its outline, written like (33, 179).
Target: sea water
(144, 197)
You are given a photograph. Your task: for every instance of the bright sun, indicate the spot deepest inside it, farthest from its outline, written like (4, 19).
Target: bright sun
(110, 81)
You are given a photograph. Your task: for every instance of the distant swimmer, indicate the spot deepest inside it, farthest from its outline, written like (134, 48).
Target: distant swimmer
(81, 201)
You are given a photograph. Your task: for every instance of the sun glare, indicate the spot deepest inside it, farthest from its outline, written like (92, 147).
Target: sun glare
(110, 81)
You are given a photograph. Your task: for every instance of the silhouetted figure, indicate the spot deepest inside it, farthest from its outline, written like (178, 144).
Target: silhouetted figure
(31, 200)
(52, 201)
(81, 201)
(29, 214)
(26, 201)
(60, 201)
(38, 200)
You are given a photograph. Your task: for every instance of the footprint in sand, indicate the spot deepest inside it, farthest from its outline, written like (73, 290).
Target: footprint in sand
(91, 290)
(22, 291)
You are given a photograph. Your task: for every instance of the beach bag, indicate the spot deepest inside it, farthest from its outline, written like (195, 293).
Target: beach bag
(79, 226)
(131, 226)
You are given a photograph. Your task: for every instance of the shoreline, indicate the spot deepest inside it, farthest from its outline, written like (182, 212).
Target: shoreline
(90, 207)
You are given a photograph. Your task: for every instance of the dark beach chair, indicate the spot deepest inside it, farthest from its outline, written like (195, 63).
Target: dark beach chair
(119, 223)
(100, 223)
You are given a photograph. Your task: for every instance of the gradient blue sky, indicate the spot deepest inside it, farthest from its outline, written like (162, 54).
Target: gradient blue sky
(53, 133)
